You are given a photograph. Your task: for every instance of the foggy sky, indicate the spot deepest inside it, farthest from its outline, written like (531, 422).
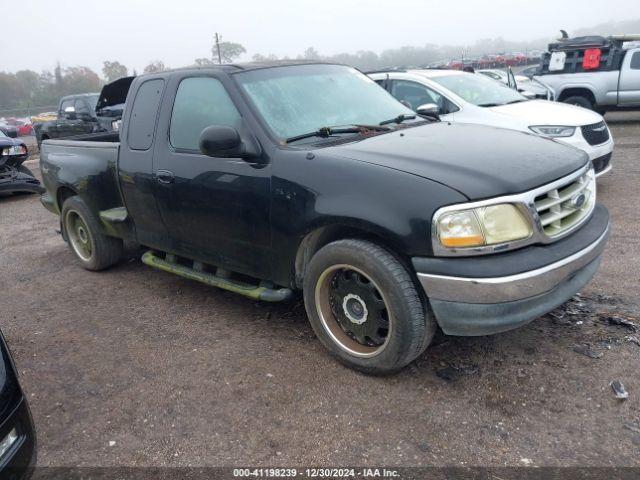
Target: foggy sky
(135, 32)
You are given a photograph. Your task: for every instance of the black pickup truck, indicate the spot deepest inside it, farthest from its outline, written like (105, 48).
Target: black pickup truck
(265, 179)
(87, 113)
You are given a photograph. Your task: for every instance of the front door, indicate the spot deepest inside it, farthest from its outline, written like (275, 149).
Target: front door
(215, 210)
(629, 90)
(414, 94)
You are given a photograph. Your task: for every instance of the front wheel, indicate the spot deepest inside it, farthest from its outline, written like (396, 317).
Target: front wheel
(364, 307)
(94, 250)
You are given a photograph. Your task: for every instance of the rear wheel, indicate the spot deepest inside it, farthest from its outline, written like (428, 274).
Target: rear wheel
(94, 250)
(579, 101)
(364, 307)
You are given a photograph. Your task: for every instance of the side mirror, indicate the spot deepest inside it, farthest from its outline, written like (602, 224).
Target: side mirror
(223, 141)
(70, 113)
(429, 110)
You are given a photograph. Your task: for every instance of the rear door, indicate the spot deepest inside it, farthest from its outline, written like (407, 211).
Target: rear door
(629, 86)
(215, 210)
(135, 163)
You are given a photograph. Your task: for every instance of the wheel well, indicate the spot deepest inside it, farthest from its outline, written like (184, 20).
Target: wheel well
(578, 92)
(315, 240)
(62, 194)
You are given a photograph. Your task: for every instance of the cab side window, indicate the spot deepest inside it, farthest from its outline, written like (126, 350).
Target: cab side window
(635, 61)
(200, 102)
(415, 94)
(64, 105)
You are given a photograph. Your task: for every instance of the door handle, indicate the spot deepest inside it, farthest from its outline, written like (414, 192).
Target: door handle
(165, 176)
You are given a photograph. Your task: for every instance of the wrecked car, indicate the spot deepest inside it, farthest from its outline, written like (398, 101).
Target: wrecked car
(14, 176)
(270, 178)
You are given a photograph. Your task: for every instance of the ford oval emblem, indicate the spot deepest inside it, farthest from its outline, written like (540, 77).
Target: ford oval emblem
(579, 200)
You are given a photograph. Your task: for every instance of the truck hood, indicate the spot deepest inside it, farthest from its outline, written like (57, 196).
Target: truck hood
(114, 93)
(477, 161)
(544, 112)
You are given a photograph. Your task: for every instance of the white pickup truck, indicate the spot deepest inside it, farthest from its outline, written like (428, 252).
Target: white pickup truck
(599, 73)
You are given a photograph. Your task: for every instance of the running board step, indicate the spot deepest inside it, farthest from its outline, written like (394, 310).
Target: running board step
(114, 215)
(220, 280)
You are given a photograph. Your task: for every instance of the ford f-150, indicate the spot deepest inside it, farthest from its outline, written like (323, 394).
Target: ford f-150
(265, 179)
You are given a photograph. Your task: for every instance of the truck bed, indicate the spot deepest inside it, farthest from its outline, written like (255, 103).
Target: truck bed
(78, 166)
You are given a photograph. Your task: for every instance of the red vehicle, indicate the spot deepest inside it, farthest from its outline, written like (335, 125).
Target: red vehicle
(25, 129)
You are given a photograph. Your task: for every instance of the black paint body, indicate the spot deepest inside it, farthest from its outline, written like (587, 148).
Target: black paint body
(264, 216)
(20, 458)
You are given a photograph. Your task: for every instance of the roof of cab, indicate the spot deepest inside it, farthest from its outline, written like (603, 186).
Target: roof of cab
(243, 67)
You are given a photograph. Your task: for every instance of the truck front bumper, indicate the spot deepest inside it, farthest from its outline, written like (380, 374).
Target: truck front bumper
(515, 287)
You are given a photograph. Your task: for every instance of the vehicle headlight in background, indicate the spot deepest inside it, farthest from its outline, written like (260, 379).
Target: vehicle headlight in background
(15, 150)
(554, 130)
(115, 125)
(477, 227)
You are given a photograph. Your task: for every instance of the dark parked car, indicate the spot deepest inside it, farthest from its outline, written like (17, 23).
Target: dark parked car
(17, 433)
(14, 176)
(310, 177)
(87, 113)
(10, 131)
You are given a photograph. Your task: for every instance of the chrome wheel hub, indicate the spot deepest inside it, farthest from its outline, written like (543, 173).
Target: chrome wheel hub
(355, 309)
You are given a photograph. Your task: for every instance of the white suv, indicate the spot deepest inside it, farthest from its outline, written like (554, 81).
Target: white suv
(472, 98)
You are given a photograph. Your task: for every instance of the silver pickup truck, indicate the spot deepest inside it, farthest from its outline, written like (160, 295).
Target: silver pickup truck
(615, 85)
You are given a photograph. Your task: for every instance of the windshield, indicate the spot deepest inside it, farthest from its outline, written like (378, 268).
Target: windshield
(2, 133)
(479, 90)
(299, 99)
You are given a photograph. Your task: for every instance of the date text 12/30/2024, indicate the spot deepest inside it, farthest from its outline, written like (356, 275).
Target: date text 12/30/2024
(315, 473)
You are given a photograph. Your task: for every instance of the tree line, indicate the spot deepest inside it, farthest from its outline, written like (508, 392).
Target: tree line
(27, 88)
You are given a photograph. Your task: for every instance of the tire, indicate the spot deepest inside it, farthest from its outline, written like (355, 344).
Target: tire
(354, 286)
(25, 170)
(93, 250)
(579, 101)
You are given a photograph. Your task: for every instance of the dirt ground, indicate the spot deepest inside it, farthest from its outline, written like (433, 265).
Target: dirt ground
(136, 367)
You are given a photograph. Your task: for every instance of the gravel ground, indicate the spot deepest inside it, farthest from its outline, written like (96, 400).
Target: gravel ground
(135, 367)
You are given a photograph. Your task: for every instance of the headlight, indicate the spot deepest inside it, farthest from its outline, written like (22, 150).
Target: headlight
(554, 131)
(15, 150)
(477, 227)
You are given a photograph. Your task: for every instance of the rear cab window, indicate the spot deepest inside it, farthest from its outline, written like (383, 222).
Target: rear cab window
(144, 112)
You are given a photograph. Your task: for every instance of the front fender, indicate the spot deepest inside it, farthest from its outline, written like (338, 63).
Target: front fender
(391, 205)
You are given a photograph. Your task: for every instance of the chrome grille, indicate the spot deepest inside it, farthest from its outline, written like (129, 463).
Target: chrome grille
(565, 207)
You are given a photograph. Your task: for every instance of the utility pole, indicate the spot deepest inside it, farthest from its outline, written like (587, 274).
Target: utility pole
(218, 48)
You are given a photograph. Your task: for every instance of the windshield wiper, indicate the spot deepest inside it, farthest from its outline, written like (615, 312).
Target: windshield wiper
(399, 119)
(326, 132)
(516, 101)
(490, 104)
